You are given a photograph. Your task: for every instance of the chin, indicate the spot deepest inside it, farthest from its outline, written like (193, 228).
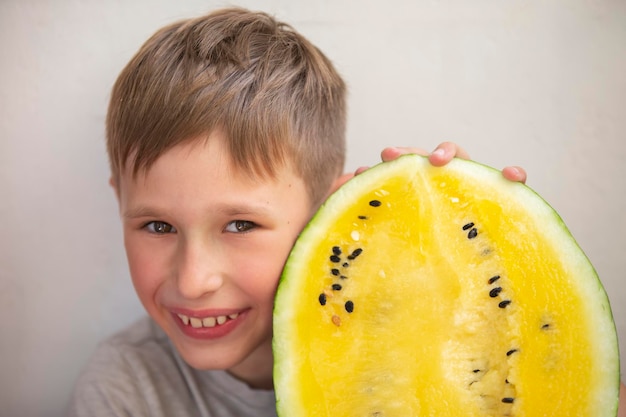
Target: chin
(209, 358)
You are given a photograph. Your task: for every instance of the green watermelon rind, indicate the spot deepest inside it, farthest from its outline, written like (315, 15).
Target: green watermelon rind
(322, 219)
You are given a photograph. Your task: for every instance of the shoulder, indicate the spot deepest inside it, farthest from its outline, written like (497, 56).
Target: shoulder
(131, 352)
(137, 372)
(136, 345)
(125, 374)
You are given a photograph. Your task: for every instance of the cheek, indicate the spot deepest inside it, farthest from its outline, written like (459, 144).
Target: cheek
(263, 273)
(144, 269)
(261, 267)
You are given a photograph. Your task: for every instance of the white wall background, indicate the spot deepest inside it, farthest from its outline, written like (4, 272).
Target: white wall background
(529, 82)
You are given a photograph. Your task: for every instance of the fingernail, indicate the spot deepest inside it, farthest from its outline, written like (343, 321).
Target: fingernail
(439, 152)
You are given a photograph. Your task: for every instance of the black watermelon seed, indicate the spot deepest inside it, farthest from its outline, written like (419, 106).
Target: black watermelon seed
(467, 226)
(343, 277)
(472, 233)
(349, 306)
(508, 400)
(493, 279)
(355, 253)
(476, 371)
(375, 203)
(322, 299)
(494, 292)
(545, 326)
(336, 287)
(334, 271)
(335, 258)
(336, 250)
(503, 304)
(363, 217)
(510, 352)
(345, 265)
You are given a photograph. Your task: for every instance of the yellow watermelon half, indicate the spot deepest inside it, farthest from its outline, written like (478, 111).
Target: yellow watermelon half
(424, 291)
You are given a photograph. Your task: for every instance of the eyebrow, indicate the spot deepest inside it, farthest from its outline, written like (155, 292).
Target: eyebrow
(140, 211)
(235, 209)
(243, 209)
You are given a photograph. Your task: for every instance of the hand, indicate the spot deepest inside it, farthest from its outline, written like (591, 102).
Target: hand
(442, 154)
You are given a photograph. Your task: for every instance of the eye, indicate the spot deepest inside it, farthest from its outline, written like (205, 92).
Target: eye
(159, 228)
(240, 226)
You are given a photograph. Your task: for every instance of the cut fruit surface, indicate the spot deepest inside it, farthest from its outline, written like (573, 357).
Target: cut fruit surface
(425, 291)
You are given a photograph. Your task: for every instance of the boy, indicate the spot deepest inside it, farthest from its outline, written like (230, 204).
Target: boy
(225, 133)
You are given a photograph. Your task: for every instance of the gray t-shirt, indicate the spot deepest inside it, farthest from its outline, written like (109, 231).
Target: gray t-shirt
(138, 372)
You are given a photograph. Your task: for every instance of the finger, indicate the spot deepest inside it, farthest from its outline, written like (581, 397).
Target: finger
(445, 152)
(360, 170)
(515, 173)
(389, 154)
(345, 178)
(339, 182)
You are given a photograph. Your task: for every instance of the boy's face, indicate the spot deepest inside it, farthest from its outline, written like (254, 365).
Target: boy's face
(206, 245)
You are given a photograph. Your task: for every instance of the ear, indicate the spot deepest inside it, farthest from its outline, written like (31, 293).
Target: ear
(115, 185)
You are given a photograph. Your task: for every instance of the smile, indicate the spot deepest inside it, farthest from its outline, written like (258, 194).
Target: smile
(197, 322)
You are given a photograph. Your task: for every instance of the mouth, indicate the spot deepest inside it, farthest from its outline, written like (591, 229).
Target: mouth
(208, 322)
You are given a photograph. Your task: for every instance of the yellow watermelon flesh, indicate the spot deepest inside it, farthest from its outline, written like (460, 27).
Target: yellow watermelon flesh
(424, 291)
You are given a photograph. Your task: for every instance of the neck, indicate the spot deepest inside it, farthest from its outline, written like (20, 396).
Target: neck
(256, 370)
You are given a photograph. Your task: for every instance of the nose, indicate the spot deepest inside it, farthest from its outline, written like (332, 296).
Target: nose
(199, 269)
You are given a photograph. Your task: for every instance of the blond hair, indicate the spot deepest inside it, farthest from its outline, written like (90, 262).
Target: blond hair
(274, 96)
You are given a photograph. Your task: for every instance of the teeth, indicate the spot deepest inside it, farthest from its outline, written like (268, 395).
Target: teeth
(196, 322)
(184, 319)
